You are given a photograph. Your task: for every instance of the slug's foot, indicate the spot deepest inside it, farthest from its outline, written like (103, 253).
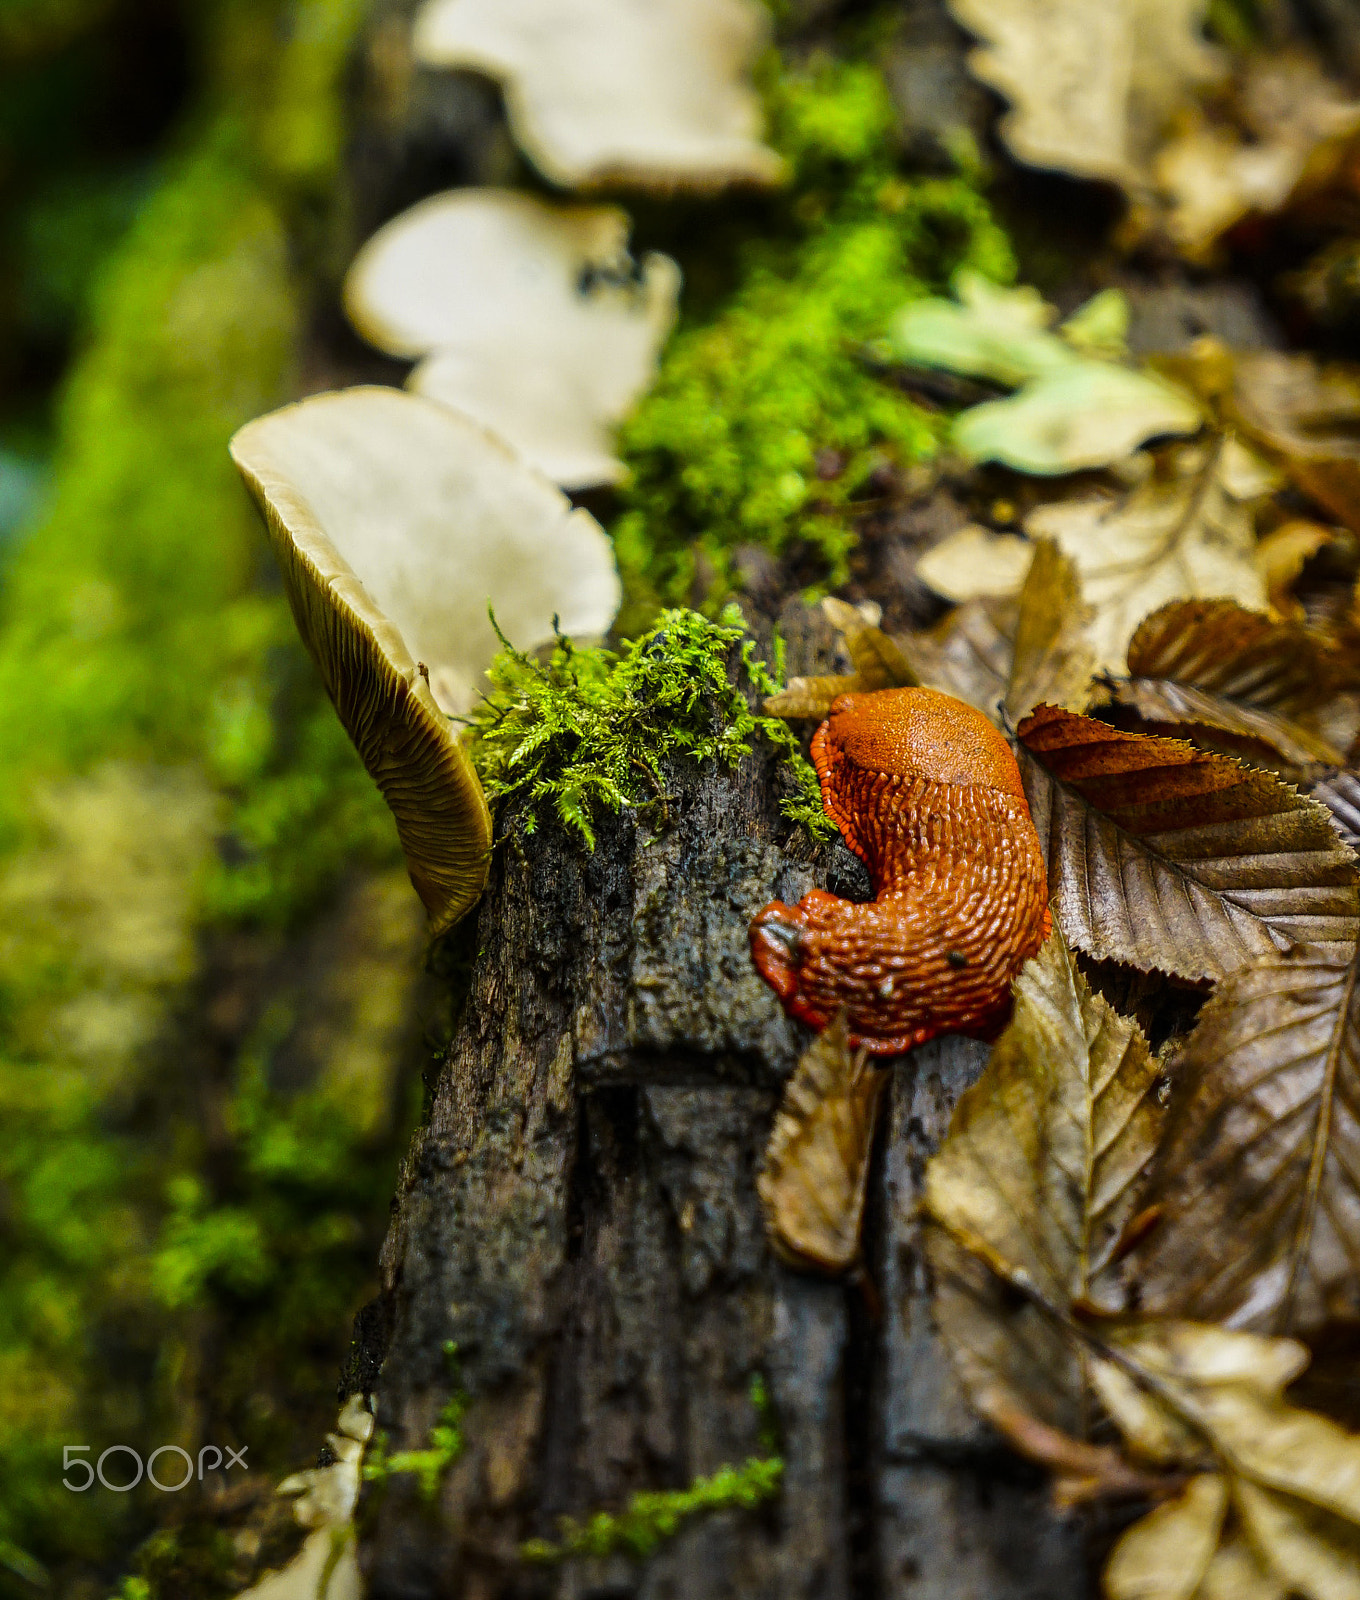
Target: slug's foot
(900, 978)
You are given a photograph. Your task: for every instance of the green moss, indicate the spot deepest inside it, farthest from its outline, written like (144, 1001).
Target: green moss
(766, 424)
(652, 1517)
(445, 1446)
(593, 730)
(171, 775)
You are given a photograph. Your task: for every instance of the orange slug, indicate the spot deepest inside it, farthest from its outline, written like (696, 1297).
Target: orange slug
(927, 793)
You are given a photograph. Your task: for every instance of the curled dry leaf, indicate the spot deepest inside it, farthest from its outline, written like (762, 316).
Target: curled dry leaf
(877, 660)
(1074, 409)
(1091, 86)
(817, 1163)
(1263, 1150)
(1001, 658)
(606, 91)
(1230, 680)
(533, 319)
(1037, 1175)
(1184, 534)
(1308, 417)
(1176, 859)
(395, 522)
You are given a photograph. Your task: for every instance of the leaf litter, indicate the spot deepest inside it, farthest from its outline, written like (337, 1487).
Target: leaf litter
(1135, 1253)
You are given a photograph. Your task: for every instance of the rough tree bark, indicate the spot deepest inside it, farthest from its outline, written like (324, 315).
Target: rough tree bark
(580, 1216)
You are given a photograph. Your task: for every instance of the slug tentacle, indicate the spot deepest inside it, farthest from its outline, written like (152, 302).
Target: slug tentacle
(928, 794)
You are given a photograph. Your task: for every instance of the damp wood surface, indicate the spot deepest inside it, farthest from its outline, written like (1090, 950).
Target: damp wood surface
(580, 1217)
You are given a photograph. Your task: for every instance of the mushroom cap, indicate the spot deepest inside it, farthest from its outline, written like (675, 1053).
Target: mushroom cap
(610, 91)
(395, 521)
(533, 318)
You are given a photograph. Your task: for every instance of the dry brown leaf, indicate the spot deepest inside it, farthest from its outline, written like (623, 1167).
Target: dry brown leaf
(1266, 1130)
(1282, 555)
(877, 659)
(1230, 680)
(1013, 1194)
(817, 1163)
(1091, 86)
(606, 91)
(1308, 416)
(1186, 535)
(1340, 793)
(1002, 657)
(1289, 120)
(1167, 1555)
(1176, 859)
(1053, 660)
(1037, 1181)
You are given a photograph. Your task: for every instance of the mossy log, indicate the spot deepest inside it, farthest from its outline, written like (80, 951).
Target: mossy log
(580, 1218)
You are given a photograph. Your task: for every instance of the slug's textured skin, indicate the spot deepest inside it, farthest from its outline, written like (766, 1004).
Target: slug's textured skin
(927, 793)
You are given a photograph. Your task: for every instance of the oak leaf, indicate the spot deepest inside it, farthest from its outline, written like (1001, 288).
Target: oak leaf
(1184, 534)
(1176, 859)
(816, 1169)
(1076, 407)
(1266, 1128)
(1091, 86)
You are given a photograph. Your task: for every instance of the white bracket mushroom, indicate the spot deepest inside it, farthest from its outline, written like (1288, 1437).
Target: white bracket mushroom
(533, 318)
(396, 521)
(610, 91)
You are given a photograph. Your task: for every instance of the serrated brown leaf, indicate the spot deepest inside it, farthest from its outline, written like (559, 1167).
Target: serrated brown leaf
(1175, 859)
(1221, 648)
(1340, 793)
(1263, 1150)
(1230, 680)
(816, 1166)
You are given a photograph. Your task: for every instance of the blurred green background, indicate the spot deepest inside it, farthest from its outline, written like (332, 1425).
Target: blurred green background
(212, 1025)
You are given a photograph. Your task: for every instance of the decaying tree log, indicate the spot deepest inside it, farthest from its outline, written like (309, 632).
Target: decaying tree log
(580, 1217)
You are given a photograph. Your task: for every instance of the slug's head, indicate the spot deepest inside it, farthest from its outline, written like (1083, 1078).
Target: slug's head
(906, 733)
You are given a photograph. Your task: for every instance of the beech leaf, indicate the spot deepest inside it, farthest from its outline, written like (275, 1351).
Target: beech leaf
(1266, 1127)
(816, 1167)
(1232, 680)
(1036, 1177)
(1176, 859)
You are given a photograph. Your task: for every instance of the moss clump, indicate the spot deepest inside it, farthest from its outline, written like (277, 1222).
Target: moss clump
(445, 1446)
(594, 729)
(653, 1516)
(766, 424)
